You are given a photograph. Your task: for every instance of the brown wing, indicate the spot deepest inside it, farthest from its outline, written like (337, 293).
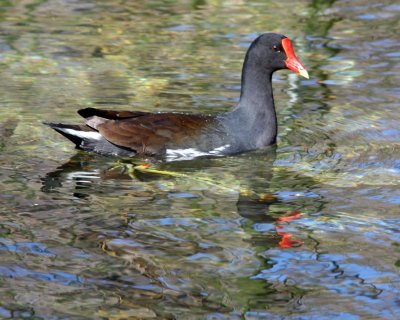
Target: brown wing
(152, 133)
(110, 114)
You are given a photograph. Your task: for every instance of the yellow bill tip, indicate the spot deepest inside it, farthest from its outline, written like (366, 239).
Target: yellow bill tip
(304, 73)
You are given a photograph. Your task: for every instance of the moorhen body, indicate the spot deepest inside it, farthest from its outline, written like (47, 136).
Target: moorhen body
(251, 125)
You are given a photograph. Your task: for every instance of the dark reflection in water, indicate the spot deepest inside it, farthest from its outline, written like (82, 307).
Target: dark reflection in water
(149, 244)
(142, 238)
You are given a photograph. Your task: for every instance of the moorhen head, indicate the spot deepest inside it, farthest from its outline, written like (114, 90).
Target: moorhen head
(251, 125)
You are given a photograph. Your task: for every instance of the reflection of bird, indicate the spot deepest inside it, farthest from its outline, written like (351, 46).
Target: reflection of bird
(251, 125)
(287, 240)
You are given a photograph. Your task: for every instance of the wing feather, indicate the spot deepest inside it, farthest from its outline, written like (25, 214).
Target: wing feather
(152, 133)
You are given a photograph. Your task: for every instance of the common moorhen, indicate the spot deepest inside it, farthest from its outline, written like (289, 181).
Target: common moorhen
(251, 125)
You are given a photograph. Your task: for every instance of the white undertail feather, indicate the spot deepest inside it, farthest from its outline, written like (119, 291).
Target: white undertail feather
(90, 135)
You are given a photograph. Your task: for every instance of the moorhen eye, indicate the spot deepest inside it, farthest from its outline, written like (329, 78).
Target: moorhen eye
(276, 49)
(251, 125)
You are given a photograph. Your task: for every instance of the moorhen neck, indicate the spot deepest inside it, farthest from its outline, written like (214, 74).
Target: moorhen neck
(251, 125)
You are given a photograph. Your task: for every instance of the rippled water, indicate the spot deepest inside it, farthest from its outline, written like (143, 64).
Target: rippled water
(309, 230)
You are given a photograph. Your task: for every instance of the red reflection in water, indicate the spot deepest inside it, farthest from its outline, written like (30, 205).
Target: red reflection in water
(287, 241)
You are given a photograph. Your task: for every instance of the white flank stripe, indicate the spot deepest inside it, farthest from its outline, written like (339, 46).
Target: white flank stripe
(91, 135)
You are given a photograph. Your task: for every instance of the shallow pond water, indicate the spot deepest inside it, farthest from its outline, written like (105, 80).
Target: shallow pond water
(306, 230)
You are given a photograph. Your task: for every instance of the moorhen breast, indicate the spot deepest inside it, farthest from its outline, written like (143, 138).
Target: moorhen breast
(251, 125)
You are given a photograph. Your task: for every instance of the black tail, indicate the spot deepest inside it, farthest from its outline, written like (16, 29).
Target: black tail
(70, 131)
(88, 139)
